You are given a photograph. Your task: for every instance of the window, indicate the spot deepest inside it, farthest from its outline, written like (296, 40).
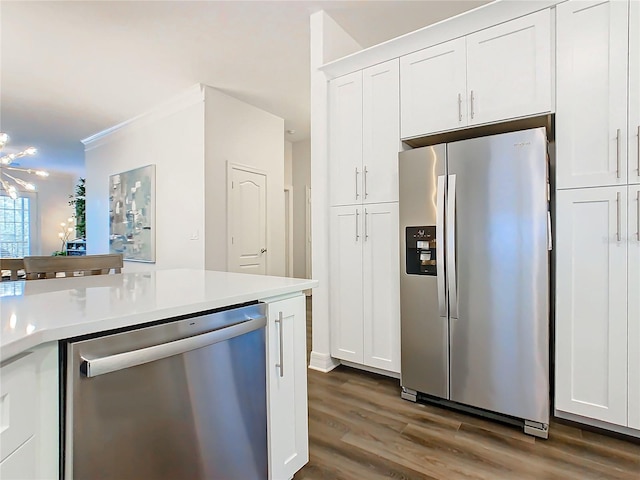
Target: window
(15, 226)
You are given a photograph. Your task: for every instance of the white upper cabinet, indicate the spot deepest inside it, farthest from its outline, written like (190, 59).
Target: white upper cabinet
(381, 132)
(634, 306)
(500, 73)
(345, 139)
(509, 69)
(434, 89)
(591, 104)
(634, 92)
(591, 303)
(364, 136)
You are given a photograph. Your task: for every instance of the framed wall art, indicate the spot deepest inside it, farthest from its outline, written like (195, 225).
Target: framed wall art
(132, 214)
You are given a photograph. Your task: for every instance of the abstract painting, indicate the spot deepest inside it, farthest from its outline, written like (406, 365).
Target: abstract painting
(132, 214)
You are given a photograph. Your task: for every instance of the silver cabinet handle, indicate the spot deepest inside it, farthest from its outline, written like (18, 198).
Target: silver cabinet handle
(280, 323)
(618, 237)
(459, 107)
(366, 228)
(92, 367)
(472, 109)
(638, 217)
(366, 194)
(451, 245)
(357, 173)
(618, 153)
(357, 221)
(442, 296)
(638, 150)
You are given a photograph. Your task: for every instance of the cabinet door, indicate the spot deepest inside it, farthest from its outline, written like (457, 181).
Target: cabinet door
(509, 69)
(381, 287)
(381, 132)
(634, 92)
(591, 113)
(591, 303)
(345, 139)
(22, 463)
(634, 306)
(287, 387)
(433, 84)
(345, 258)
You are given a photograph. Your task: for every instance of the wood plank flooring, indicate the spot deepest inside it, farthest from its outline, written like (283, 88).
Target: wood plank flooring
(360, 428)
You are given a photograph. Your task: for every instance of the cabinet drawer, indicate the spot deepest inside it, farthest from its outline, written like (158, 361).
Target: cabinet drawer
(17, 404)
(20, 464)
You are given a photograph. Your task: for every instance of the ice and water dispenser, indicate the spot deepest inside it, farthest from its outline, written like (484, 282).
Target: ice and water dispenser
(421, 250)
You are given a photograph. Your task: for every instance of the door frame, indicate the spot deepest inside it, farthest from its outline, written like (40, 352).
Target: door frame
(288, 226)
(231, 166)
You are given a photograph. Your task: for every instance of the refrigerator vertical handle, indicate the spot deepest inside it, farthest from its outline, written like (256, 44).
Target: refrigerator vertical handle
(442, 299)
(452, 284)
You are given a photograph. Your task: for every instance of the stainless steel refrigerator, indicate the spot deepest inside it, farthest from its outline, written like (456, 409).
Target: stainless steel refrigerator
(474, 286)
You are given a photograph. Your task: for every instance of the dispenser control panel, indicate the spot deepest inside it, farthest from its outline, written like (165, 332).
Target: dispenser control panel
(421, 250)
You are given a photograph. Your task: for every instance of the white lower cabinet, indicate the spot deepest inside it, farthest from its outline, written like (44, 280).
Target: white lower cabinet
(365, 297)
(29, 415)
(591, 304)
(634, 306)
(287, 387)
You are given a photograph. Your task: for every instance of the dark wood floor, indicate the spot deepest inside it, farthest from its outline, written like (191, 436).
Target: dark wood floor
(359, 428)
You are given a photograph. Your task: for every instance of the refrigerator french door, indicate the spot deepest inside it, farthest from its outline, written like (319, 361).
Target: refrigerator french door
(475, 275)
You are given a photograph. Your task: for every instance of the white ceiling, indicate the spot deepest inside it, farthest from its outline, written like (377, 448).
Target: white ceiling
(70, 69)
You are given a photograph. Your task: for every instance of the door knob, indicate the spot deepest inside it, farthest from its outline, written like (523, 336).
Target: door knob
(263, 250)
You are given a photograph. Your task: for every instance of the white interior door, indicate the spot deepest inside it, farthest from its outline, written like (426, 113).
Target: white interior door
(247, 221)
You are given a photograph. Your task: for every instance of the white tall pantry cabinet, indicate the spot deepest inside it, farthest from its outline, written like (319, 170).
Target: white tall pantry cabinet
(597, 224)
(364, 141)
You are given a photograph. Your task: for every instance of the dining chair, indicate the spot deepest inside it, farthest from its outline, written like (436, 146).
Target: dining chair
(40, 267)
(11, 265)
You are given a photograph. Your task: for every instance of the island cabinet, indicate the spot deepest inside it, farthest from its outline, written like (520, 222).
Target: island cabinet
(364, 136)
(593, 142)
(29, 415)
(287, 386)
(499, 73)
(365, 279)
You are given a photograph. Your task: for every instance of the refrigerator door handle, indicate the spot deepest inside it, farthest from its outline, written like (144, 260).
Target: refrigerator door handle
(442, 299)
(451, 247)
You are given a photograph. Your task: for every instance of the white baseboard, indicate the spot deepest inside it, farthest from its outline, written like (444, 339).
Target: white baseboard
(366, 368)
(322, 362)
(597, 423)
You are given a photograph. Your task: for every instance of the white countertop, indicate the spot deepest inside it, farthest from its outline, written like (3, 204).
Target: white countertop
(39, 311)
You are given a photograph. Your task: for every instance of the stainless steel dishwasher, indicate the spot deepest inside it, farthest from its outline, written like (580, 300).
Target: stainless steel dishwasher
(178, 400)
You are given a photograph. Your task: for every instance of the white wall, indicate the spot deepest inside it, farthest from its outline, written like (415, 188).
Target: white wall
(52, 209)
(172, 138)
(239, 133)
(301, 173)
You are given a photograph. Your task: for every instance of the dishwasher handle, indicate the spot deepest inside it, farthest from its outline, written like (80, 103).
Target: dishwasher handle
(99, 366)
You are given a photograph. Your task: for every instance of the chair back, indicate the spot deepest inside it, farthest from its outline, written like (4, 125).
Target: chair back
(51, 267)
(13, 265)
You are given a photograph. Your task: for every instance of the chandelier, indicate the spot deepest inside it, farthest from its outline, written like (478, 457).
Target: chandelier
(13, 184)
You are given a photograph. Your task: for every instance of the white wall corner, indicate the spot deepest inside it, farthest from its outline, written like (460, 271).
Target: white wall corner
(336, 42)
(322, 362)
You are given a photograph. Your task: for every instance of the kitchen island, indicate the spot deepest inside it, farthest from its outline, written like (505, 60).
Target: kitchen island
(36, 316)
